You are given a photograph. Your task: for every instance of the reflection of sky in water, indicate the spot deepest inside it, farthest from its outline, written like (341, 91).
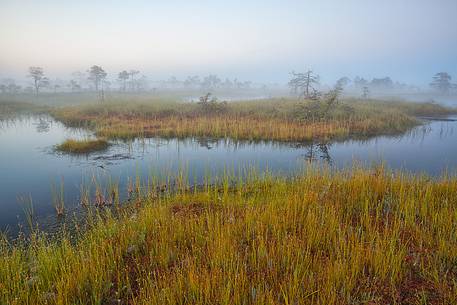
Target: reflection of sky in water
(28, 164)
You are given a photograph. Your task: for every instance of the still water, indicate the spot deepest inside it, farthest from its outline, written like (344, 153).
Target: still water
(29, 165)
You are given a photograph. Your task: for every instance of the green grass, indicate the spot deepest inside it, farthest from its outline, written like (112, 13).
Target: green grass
(321, 237)
(82, 146)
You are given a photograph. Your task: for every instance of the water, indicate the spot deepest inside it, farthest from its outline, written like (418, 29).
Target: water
(29, 165)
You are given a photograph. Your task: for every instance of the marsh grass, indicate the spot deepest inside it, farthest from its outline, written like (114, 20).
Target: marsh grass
(320, 237)
(58, 197)
(27, 206)
(275, 119)
(83, 146)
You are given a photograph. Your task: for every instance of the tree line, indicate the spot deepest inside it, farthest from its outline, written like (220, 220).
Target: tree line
(96, 79)
(306, 84)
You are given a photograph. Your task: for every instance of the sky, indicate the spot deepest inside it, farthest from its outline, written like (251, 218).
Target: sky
(259, 40)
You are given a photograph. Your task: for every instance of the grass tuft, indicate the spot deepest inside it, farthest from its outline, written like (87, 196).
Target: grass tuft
(82, 146)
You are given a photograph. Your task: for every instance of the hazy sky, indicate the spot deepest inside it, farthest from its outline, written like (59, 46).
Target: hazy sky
(260, 40)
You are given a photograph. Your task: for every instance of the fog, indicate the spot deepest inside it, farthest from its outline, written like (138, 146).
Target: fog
(259, 41)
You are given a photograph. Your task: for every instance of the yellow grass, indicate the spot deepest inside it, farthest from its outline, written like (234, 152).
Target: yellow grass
(82, 146)
(356, 237)
(278, 119)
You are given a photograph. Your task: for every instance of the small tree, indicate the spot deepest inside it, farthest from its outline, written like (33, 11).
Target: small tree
(441, 82)
(123, 77)
(39, 80)
(304, 84)
(97, 75)
(78, 80)
(209, 105)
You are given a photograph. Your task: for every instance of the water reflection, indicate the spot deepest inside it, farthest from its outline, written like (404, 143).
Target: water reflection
(29, 164)
(43, 125)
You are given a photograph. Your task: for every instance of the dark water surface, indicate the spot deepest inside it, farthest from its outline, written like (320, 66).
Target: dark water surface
(29, 166)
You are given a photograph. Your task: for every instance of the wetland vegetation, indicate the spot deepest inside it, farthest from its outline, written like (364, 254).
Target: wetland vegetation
(82, 146)
(320, 237)
(228, 152)
(282, 119)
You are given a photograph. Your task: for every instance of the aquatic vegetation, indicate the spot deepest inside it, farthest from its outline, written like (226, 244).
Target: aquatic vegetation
(275, 119)
(58, 197)
(320, 237)
(82, 146)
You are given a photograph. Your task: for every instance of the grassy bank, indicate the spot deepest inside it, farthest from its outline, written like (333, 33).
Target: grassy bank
(275, 119)
(82, 146)
(10, 108)
(358, 237)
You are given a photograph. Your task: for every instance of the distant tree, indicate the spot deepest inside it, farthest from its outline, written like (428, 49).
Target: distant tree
(172, 82)
(441, 82)
(123, 77)
(142, 83)
(304, 84)
(78, 80)
(74, 85)
(360, 82)
(132, 74)
(342, 82)
(97, 75)
(228, 84)
(384, 83)
(192, 81)
(9, 86)
(57, 84)
(39, 80)
(211, 81)
(365, 92)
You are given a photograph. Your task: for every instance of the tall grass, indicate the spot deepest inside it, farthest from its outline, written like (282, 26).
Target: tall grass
(58, 197)
(321, 237)
(276, 119)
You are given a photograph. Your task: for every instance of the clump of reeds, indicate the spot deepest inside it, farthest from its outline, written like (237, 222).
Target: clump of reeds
(58, 197)
(82, 146)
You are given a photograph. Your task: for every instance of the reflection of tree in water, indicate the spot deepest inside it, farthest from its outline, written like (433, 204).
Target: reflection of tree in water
(42, 126)
(319, 151)
(208, 143)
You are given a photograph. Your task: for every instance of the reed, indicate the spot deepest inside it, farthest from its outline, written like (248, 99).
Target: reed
(58, 197)
(29, 211)
(362, 236)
